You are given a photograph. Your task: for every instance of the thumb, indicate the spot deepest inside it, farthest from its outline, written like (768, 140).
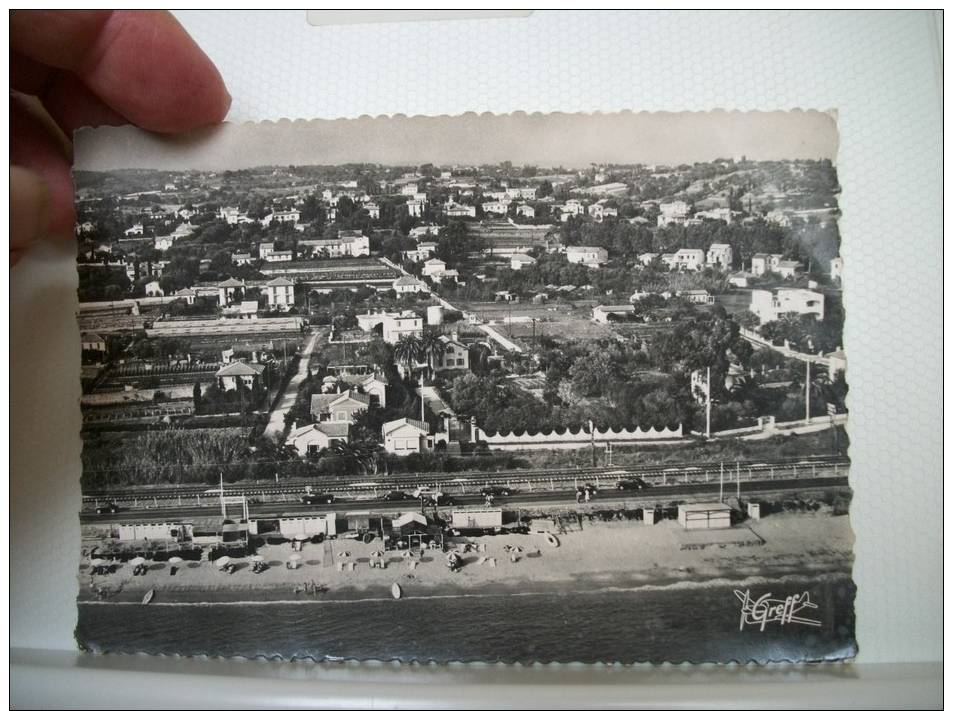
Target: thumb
(29, 210)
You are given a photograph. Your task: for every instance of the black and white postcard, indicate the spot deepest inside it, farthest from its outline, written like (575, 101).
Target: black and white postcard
(522, 388)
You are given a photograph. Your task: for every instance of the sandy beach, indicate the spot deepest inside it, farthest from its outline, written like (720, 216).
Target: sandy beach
(597, 556)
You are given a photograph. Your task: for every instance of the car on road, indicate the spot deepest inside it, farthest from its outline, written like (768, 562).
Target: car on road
(311, 498)
(631, 484)
(496, 491)
(397, 496)
(109, 508)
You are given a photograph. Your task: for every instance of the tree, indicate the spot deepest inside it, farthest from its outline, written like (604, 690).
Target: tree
(408, 350)
(433, 347)
(197, 397)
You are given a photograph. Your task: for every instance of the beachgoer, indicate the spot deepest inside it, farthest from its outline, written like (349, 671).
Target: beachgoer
(588, 495)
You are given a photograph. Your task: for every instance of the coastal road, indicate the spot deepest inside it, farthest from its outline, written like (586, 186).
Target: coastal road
(605, 497)
(276, 421)
(462, 483)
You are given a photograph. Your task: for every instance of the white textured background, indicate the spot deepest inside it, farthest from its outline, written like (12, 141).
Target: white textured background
(879, 70)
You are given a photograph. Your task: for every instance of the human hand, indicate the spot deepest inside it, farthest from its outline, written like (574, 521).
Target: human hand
(90, 68)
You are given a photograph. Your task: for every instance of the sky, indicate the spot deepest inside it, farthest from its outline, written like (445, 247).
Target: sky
(545, 140)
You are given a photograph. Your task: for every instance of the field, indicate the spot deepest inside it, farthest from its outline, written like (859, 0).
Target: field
(563, 321)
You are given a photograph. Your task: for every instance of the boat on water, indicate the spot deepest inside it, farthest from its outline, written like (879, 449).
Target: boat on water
(147, 598)
(396, 591)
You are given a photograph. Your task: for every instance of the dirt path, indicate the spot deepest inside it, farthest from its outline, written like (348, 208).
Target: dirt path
(276, 421)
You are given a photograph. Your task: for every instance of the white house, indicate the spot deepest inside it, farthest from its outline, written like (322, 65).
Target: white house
(762, 263)
(697, 296)
(291, 215)
(248, 310)
(186, 294)
(456, 210)
(689, 259)
(769, 307)
(601, 314)
(409, 285)
(229, 291)
(739, 279)
(592, 257)
(232, 374)
(518, 261)
(281, 294)
(153, 289)
(94, 342)
(837, 268)
(339, 407)
(136, 229)
(455, 356)
(596, 211)
(527, 211)
(406, 436)
(280, 255)
(374, 210)
(672, 212)
(311, 439)
(720, 255)
(265, 249)
(349, 243)
(409, 189)
(496, 208)
(415, 208)
(434, 266)
(241, 258)
(716, 213)
(646, 258)
(405, 323)
(163, 243)
(788, 268)
(373, 385)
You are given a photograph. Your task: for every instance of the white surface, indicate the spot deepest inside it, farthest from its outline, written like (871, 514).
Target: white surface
(879, 70)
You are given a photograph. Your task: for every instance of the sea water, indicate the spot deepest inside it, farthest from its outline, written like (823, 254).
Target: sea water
(700, 623)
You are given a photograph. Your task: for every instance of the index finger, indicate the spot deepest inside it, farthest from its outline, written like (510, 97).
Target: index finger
(142, 64)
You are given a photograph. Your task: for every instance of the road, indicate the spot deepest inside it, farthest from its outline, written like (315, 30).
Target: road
(461, 482)
(649, 496)
(276, 421)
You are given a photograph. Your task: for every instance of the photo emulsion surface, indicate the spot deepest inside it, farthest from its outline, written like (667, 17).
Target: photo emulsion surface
(523, 388)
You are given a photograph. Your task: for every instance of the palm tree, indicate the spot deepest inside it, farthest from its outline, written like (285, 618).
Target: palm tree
(433, 347)
(359, 455)
(408, 350)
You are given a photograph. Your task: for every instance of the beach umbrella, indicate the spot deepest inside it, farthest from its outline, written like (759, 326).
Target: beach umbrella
(223, 561)
(175, 560)
(258, 559)
(137, 561)
(302, 537)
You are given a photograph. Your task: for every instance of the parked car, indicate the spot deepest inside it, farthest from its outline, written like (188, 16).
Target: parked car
(397, 496)
(496, 491)
(311, 499)
(427, 492)
(630, 484)
(109, 508)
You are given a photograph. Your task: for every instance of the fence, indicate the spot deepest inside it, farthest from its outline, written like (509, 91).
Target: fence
(568, 439)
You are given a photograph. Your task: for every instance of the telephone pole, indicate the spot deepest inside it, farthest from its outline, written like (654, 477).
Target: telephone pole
(807, 394)
(708, 403)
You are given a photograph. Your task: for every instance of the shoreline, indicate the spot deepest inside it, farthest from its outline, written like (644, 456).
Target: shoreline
(283, 593)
